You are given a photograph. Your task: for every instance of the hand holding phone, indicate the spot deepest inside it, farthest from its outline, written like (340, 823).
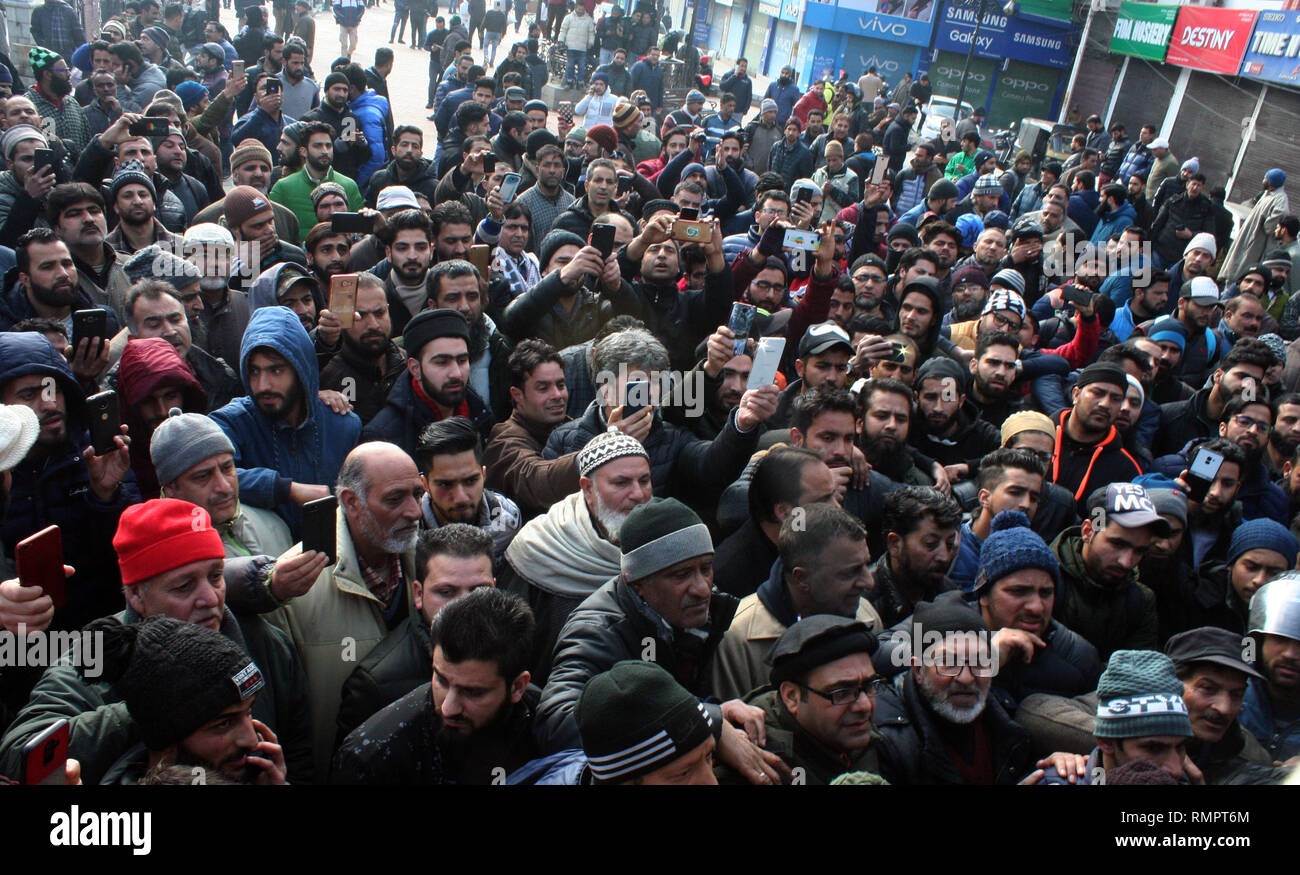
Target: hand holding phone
(45, 757)
(343, 297)
(480, 255)
(40, 563)
(509, 187)
(636, 395)
(602, 237)
(318, 526)
(742, 319)
(105, 416)
(1201, 473)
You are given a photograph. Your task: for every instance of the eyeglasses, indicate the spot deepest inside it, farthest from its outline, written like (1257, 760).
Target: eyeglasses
(1044, 456)
(1252, 423)
(868, 278)
(948, 669)
(841, 696)
(1005, 323)
(765, 286)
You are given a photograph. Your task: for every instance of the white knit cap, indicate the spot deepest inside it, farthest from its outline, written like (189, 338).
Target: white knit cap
(605, 448)
(19, 428)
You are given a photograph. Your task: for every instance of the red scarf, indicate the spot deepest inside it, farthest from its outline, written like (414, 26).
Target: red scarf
(462, 410)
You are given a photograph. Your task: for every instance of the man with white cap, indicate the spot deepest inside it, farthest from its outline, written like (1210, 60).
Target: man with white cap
(22, 191)
(1270, 705)
(1163, 166)
(19, 428)
(211, 248)
(1197, 302)
(1255, 236)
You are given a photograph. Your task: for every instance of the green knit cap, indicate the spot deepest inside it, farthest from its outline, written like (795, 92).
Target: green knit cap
(1139, 696)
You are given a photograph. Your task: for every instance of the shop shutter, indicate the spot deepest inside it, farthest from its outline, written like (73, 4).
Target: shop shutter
(1276, 143)
(1099, 70)
(1209, 122)
(1144, 95)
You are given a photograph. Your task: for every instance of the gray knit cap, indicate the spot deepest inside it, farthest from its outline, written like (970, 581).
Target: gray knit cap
(155, 263)
(1139, 695)
(182, 440)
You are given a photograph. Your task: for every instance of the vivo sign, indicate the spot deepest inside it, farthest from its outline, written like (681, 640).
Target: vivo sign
(873, 25)
(891, 28)
(881, 64)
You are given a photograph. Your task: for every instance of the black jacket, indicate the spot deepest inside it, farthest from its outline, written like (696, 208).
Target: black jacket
(349, 155)
(403, 417)
(422, 181)
(744, 560)
(888, 597)
(407, 743)
(370, 385)
(912, 751)
(397, 665)
(1182, 422)
(973, 439)
(1082, 468)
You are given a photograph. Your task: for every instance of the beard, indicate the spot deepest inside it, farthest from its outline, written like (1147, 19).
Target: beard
(62, 294)
(451, 398)
(369, 345)
(887, 457)
(967, 311)
(400, 538)
(245, 775)
(939, 700)
(60, 87)
(610, 520)
(1285, 447)
(411, 271)
(277, 406)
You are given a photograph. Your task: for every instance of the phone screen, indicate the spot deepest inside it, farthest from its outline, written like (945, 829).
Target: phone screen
(1202, 471)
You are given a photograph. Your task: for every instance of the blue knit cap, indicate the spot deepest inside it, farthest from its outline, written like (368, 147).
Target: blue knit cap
(1013, 546)
(1139, 696)
(1263, 534)
(1276, 177)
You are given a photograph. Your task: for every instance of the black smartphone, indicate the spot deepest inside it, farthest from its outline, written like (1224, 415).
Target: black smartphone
(151, 126)
(636, 395)
(489, 164)
(41, 159)
(351, 223)
(690, 214)
(91, 324)
(773, 240)
(318, 529)
(1076, 295)
(803, 196)
(742, 319)
(105, 415)
(602, 237)
(1201, 473)
(624, 183)
(272, 85)
(899, 354)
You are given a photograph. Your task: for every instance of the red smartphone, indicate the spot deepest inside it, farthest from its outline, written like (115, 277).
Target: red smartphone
(45, 757)
(40, 563)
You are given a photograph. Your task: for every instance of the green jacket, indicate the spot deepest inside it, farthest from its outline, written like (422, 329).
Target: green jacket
(1111, 616)
(819, 764)
(294, 191)
(102, 730)
(959, 165)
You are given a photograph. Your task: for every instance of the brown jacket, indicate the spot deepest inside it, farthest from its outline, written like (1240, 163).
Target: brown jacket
(516, 468)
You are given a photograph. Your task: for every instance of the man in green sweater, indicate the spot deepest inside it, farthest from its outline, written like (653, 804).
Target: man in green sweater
(317, 154)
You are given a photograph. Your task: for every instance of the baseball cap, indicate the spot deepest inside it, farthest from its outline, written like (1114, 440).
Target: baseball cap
(394, 196)
(1129, 505)
(819, 338)
(1202, 291)
(1210, 644)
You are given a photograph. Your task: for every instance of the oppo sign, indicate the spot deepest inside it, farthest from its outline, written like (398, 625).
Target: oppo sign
(1025, 85)
(955, 74)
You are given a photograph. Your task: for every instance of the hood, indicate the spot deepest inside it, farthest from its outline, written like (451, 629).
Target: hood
(280, 329)
(27, 352)
(149, 363)
(264, 291)
(368, 98)
(1124, 209)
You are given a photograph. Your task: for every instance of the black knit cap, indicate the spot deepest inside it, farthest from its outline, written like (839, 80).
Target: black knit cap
(636, 718)
(669, 531)
(814, 641)
(944, 617)
(939, 368)
(1102, 372)
(537, 139)
(432, 324)
(656, 205)
(174, 676)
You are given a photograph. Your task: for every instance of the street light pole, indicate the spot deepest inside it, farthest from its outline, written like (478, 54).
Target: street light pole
(970, 53)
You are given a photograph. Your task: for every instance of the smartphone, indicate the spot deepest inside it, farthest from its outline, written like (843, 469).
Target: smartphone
(92, 324)
(151, 126)
(742, 318)
(879, 169)
(899, 354)
(480, 255)
(797, 238)
(803, 195)
(1201, 473)
(510, 187)
(602, 237)
(624, 183)
(767, 359)
(237, 67)
(41, 159)
(1076, 295)
(688, 231)
(343, 297)
(489, 163)
(45, 757)
(272, 85)
(565, 110)
(351, 223)
(688, 213)
(105, 415)
(318, 532)
(772, 240)
(635, 396)
(40, 563)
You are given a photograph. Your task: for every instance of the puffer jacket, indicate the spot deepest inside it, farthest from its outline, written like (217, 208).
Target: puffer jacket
(102, 729)
(578, 32)
(423, 180)
(614, 624)
(273, 455)
(538, 312)
(1113, 222)
(19, 211)
(55, 490)
(147, 365)
(1111, 616)
(401, 662)
(678, 459)
(371, 109)
(912, 752)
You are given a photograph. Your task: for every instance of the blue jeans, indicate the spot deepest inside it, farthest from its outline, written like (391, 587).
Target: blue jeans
(577, 70)
(490, 43)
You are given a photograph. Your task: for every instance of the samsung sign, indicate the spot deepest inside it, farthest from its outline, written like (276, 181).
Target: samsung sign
(1003, 37)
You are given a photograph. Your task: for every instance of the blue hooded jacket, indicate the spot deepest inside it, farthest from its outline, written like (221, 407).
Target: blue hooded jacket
(55, 490)
(371, 109)
(269, 456)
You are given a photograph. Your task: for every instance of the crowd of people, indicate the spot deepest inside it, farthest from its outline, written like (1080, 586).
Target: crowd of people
(450, 468)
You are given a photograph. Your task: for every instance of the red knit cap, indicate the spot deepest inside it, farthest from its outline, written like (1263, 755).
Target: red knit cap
(161, 535)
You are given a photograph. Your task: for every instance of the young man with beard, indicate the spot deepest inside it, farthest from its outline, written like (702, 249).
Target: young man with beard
(1284, 438)
(548, 198)
(663, 593)
(1148, 303)
(457, 285)
(317, 153)
(941, 725)
(171, 155)
(1165, 339)
(1198, 296)
(75, 211)
(993, 392)
(327, 250)
(437, 386)
(823, 568)
(250, 165)
(472, 719)
(351, 148)
(409, 240)
(921, 526)
(251, 220)
(560, 558)
(919, 308)
(289, 443)
(886, 422)
(1269, 704)
(301, 94)
(408, 167)
(870, 276)
(134, 195)
(1089, 452)
(1240, 371)
(450, 457)
(1101, 596)
(1003, 310)
(295, 287)
(948, 428)
(369, 363)
(1220, 591)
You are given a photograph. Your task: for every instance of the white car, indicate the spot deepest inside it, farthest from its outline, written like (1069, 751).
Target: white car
(940, 122)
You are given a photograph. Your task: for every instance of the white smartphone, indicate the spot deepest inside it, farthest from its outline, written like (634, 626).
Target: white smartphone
(509, 186)
(879, 169)
(767, 358)
(797, 238)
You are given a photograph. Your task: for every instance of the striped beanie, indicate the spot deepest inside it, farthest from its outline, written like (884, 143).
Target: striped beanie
(1140, 695)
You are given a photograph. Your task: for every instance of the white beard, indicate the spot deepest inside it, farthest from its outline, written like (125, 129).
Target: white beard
(939, 702)
(610, 520)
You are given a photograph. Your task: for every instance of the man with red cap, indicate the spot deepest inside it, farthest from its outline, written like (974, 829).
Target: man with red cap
(172, 563)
